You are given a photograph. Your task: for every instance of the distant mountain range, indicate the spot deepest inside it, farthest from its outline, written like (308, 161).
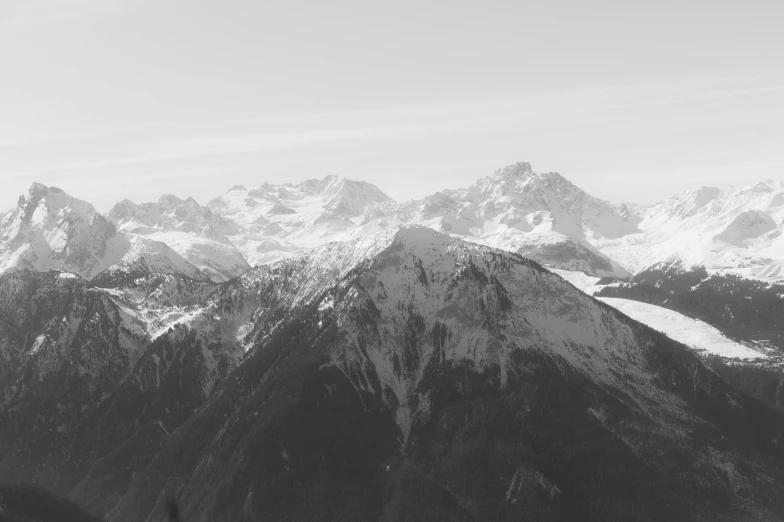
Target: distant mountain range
(543, 216)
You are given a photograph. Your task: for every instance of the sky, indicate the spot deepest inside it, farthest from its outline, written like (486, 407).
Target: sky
(632, 101)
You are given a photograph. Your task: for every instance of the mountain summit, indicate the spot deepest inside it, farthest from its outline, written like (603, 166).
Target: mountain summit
(51, 230)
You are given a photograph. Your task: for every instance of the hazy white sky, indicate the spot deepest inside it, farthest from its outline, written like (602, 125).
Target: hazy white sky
(633, 101)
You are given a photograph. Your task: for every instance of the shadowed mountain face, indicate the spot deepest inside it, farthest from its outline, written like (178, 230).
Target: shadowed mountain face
(93, 380)
(405, 375)
(438, 380)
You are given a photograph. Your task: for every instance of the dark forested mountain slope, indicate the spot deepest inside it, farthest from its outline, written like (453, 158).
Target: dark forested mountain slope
(438, 380)
(405, 375)
(95, 379)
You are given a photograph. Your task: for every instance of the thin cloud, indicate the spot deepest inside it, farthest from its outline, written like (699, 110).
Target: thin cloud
(218, 145)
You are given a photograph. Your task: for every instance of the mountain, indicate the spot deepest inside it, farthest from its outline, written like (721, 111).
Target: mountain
(410, 375)
(94, 379)
(276, 221)
(542, 215)
(49, 229)
(66, 346)
(424, 366)
(744, 308)
(737, 231)
(146, 257)
(193, 231)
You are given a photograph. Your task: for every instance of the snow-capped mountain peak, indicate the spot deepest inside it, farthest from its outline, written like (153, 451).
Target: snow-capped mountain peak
(51, 230)
(515, 171)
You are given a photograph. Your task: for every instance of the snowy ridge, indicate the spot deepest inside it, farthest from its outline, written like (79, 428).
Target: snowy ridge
(192, 231)
(147, 257)
(515, 209)
(276, 221)
(737, 230)
(543, 216)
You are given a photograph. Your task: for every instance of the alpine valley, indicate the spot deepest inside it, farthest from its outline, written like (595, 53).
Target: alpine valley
(514, 350)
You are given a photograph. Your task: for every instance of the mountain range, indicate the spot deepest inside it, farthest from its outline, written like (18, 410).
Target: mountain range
(543, 216)
(319, 351)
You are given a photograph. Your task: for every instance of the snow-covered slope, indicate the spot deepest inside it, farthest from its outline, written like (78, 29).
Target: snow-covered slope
(51, 230)
(737, 230)
(691, 332)
(193, 231)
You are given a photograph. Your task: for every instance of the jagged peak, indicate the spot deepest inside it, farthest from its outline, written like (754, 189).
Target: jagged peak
(124, 204)
(169, 200)
(555, 177)
(40, 188)
(38, 191)
(516, 170)
(318, 186)
(55, 199)
(122, 209)
(240, 188)
(695, 198)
